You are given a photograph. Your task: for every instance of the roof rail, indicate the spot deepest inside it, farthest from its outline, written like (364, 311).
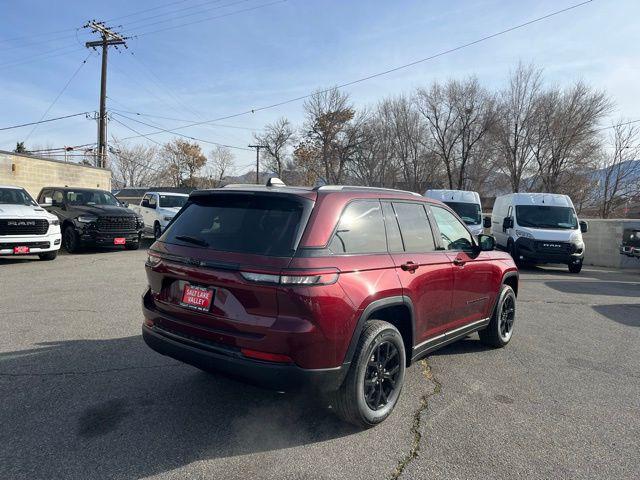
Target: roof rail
(352, 188)
(240, 185)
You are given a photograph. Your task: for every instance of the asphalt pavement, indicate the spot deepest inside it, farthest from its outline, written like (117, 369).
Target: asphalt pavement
(83, 397)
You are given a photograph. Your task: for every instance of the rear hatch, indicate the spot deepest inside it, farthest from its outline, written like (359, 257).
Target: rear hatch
(214, 272)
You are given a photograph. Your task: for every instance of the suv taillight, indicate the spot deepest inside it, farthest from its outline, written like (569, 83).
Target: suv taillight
(320, 278)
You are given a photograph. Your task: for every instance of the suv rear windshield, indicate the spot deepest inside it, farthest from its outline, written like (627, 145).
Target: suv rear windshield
(255, 224)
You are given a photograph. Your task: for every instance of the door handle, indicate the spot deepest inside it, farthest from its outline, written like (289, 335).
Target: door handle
(409, 266)
(459, 262)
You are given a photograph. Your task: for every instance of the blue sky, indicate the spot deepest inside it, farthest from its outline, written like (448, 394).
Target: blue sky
(257, 57)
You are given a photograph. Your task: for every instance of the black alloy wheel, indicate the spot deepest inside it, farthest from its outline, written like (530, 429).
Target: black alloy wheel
(380, 380)
(70, 239)
(507, 317)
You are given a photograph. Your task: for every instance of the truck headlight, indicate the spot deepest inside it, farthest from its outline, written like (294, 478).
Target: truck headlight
(87, 218)
(54, 222)
(523, 234)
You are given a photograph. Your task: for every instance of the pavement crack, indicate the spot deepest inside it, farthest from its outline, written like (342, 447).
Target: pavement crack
(414, 451)
(90, 372)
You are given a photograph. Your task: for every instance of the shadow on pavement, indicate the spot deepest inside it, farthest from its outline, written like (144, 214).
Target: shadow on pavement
(469, 344)
(622, 289)
(114, 409)
(621, 313)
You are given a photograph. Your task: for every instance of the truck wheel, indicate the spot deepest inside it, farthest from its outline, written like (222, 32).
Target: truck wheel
(374, 381)
(71, 239)
(157, 231)
(48, 255)
(575, 267)
(500, 328)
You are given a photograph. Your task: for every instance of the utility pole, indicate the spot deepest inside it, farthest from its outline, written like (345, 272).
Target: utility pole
(257, 147)
(108, 38)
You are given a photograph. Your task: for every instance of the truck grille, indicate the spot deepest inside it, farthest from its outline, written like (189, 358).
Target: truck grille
(21, 226)
(116, 224)
(554, 247)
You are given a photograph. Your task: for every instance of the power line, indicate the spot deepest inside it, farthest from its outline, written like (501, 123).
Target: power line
(181, 119)
(161, 129)
(206, 19)
(42, 56)
(35, 126)
(160, 15)
(158, 7)
(44, 121)
(388, 71)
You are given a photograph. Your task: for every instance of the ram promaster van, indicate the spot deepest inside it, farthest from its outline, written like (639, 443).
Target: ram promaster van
(539, 228)
(466, 204)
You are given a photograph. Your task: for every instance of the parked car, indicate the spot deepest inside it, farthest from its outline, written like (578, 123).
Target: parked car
(539, 228)
(465, 203)
(92, 217)
(26, 228)
(335, 288)
(630, 243)
(157, 209)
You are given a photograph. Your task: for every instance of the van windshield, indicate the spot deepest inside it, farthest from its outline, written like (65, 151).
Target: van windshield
(255, 224)
(544, 216)
(469, 212)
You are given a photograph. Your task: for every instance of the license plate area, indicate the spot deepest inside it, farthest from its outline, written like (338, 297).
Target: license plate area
(197, 298)
(21, 250)
(119, 241)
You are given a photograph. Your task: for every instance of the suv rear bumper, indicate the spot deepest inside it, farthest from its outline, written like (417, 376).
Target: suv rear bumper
(231, 363)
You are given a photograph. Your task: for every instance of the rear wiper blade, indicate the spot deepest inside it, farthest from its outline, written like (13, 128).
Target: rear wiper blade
(194, 240)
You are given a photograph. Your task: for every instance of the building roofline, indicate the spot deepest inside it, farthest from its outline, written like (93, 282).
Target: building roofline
(27, 155)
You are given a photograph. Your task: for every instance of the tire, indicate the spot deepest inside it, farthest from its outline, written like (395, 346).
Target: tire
(575, 267)
(48, 255)
(380, 350)
(500, 329)
(71, 239)
(132, 246)
(157, 231)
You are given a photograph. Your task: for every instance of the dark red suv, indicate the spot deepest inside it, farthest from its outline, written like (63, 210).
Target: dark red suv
(339, 288)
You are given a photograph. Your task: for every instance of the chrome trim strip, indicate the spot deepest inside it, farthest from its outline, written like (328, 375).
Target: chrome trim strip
(453, 332)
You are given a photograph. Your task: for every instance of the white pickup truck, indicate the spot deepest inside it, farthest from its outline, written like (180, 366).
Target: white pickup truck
(157, 209)
(25, 227)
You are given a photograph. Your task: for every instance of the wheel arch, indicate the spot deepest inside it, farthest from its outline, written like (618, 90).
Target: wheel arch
(511, 279)
(398, 311)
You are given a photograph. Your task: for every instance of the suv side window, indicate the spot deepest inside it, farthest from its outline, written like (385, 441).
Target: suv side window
(394, 239)
(44, 194)
(360, 229)
(415, 227)
(455, 235)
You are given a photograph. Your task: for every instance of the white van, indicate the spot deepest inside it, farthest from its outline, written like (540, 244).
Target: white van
(466, 204)
(25, 227)
(539, 228)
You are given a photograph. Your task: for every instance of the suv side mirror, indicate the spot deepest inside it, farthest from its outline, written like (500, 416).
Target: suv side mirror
(486, 243)
(48, 202)
(507, 222)
(584, 226)
(486, 221)
(145, 203)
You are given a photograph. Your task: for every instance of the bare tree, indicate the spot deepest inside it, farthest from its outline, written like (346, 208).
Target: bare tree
(565, 139)
(134, 165)
(515, 127)
(183, 160)
(221, 164)
(459, 115)
(331, 135)
(277, 140)
(619, 179)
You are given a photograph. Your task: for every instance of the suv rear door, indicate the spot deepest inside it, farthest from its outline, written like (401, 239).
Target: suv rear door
(426, 274)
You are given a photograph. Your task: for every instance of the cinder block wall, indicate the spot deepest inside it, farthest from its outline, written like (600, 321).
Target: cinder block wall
(602, 243)
(33, 173)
